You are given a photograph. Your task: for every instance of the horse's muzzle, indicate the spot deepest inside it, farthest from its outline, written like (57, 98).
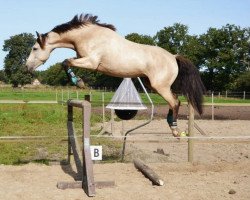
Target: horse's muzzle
(29, 67)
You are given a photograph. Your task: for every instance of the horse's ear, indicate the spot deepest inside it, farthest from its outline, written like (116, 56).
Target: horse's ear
(37, 34)
(40, 39)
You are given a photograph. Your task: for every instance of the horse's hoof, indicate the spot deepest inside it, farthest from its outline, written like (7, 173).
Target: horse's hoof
(175, 133)
(80, 84)
(65, 63)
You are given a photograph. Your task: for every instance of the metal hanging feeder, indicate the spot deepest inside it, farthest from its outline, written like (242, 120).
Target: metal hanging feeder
(127, 108)
(126, 101)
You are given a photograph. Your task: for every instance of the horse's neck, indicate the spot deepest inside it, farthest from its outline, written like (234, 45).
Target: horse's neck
(60, 40)
(75, 38)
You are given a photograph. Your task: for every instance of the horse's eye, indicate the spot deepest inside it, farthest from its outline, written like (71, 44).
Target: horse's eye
(34, 48)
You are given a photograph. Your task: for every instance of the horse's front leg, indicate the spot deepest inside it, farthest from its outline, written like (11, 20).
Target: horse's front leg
(85, 62)
(77, 62)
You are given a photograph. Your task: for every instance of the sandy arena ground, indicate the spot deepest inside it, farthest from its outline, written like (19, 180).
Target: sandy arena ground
(219, 167)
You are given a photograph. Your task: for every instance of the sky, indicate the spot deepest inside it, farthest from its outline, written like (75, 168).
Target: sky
(140, 16)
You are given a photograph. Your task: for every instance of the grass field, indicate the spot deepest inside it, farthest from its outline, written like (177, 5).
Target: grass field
(47, 120)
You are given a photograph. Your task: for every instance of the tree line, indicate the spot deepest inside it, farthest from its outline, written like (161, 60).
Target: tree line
(222, 56)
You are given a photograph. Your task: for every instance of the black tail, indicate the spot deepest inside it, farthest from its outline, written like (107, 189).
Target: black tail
(190, 83)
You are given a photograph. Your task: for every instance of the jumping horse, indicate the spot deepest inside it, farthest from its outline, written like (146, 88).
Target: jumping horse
(99, 48)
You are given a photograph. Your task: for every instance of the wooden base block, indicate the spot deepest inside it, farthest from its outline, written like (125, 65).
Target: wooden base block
(78, 184)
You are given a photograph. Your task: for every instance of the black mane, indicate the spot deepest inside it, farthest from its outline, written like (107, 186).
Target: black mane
(79, 21)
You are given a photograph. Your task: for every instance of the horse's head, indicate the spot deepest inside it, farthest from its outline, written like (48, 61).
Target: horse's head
(40, 52)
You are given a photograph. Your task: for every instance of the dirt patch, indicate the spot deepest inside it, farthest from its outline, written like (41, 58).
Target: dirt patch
(182, 181)
(219, 168)
(157, 135)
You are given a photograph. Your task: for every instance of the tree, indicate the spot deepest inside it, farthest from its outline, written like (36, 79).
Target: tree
(242, 83)
(176, 40)
(141, 39)
(54, 75)
(3, 77)
(103, 80)
(18, 48)
(225, 50)
(193, 50)
(173, 38)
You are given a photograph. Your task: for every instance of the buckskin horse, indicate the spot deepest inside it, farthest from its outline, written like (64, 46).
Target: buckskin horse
(99, 48)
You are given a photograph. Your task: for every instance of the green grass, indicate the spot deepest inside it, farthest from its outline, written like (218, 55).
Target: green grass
(32, 120)
(47, 120)
(27, 94)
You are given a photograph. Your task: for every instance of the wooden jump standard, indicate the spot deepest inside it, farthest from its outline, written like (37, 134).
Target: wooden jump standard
(84, 164)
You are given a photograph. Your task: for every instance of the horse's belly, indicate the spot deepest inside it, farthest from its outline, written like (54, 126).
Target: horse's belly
(120, 71)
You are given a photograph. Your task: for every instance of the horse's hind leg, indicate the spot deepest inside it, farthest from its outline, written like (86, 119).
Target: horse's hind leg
(174, 104)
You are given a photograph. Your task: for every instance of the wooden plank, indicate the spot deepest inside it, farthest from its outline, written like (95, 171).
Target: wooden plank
(104, 184)
(69, 185)
(199, 129)
(148, 172)
(77, 103)
(75, 148)
(63, 185)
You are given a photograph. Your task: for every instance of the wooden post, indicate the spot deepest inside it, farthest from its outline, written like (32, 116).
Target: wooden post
(112, 121)
(70, 118)
(88, 167)
(87, 97)
(73, 143)
(56, 96)
(103, 109)
(62, 96)
(90, 95)
(212, 106)
(190, 133)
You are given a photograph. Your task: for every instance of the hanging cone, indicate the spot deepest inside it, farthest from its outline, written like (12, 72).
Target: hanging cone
(126, 97)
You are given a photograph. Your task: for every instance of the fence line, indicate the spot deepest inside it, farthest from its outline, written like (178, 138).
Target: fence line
(66, 93)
